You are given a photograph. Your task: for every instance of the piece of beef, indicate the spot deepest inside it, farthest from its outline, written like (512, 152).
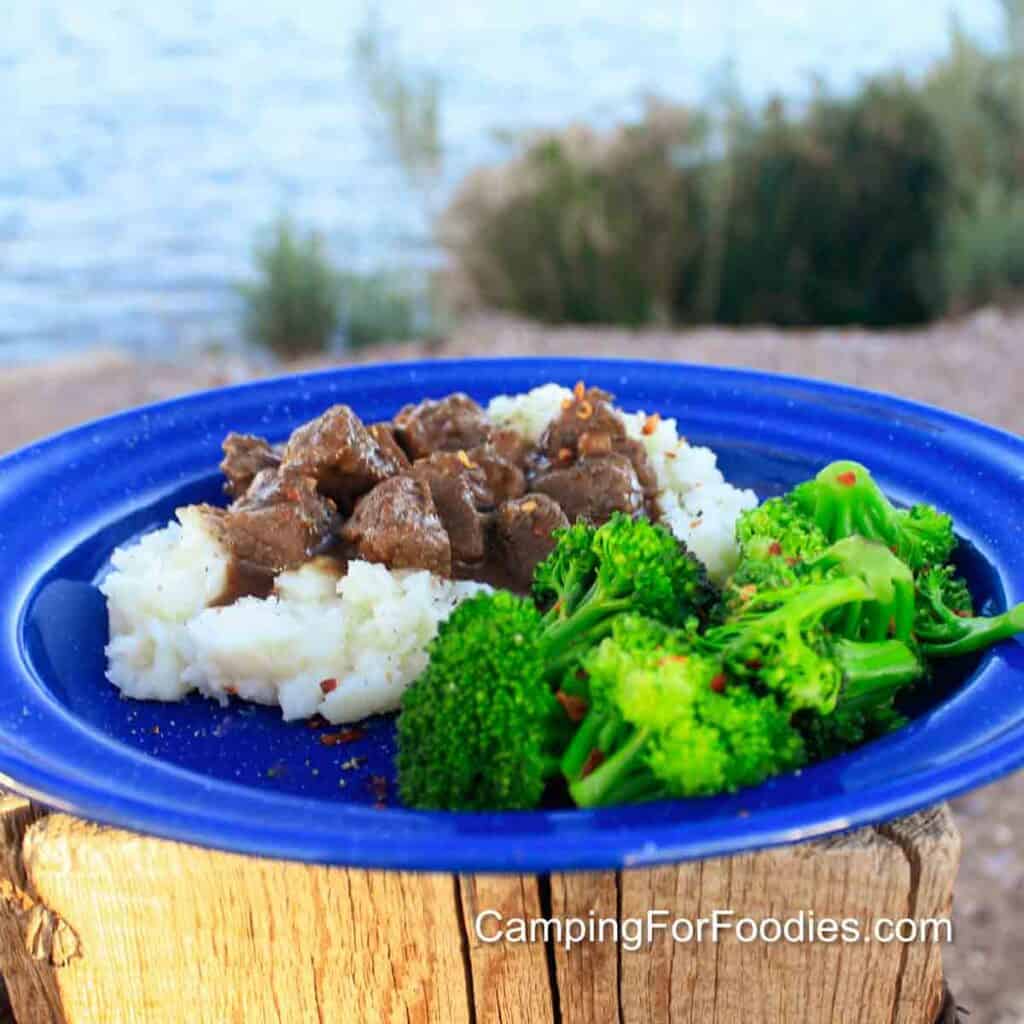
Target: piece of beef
(340, 454)
(445, 425)
(244, 456)
(593, 489)
(637, 455)
(523, 529)
(397, 524)
(510, 445)
(280, 522)
(384, 435)
(505, 477)
(589, 411)
(460, 491)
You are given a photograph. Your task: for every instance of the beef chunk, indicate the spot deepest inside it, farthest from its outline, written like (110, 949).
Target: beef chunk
(397, 523)
(384, 435)
(593, 488)
(505, 478)
(441, 426)
(244, 456)
(637, 455)
(281, 521)
(459, 489)
(589, 411)
(340, 454)
(510, 445)
(523, 529)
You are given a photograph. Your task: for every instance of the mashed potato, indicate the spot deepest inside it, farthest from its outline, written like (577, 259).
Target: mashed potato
(345, 648)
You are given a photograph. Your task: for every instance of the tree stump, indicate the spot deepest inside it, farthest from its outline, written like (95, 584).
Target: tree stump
(101, 926)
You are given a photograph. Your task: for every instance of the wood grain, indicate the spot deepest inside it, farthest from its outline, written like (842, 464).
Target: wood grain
(102, 925)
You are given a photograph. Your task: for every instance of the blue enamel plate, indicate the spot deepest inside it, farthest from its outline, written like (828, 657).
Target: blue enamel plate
(242, 779)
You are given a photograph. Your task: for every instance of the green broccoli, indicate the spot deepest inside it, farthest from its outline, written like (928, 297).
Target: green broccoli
(778, 528)
(945, 625)
(667, 719)
(658, 726)
(481, 729)
(843, 499)
(629, 565)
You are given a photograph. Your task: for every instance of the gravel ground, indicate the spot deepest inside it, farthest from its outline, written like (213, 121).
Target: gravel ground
(973, 366)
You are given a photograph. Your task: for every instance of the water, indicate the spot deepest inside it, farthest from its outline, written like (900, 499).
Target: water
(147, 143)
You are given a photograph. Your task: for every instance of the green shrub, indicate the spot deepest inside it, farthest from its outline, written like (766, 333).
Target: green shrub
(837, 217)
(985, 249)
(384, 306)
(583, 228)
(294, 306)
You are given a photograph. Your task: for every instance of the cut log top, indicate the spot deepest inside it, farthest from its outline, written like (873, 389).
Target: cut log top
(103, 925)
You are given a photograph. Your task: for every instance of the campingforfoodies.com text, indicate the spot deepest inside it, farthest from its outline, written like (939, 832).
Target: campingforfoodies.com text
(634, 933)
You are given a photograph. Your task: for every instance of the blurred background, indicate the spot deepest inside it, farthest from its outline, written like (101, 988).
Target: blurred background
(201, 192)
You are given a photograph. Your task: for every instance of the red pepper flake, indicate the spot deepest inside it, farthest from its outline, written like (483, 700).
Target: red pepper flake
(754, 664)
(333, 739)
(673, 658)
(717, 683)
(328, 685)
(650, 425)
(594, 761)
(792, 561)
(575, 707)
(892, 625)
(290, 493)
(775, 548)
(582, 675)
(962, 614)
(316, 722)
(379, 787)
(230, 691)
(847, 478)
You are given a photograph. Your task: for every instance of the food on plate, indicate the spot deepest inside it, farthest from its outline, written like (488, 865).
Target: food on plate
(625, 682)
(321, 583)
(567, 602)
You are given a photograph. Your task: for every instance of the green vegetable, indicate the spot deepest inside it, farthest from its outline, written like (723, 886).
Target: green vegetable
(480, 729)
(843, 499)
(944, 623)
(667, 720)
(626, 565)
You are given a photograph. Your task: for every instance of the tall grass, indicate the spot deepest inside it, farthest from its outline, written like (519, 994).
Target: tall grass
(294, 305)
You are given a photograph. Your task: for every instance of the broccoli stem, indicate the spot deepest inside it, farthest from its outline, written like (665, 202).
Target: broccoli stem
(873, 672)
(590, 622)
(614, 777)
(975, 634)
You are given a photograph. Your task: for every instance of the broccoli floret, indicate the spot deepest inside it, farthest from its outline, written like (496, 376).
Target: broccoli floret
(944, 623)
(668, 720)
(873, 674)
(890, 612)
(481, 728)
(843, 500)
(663, 725)
(779, 528)
(630, 565)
